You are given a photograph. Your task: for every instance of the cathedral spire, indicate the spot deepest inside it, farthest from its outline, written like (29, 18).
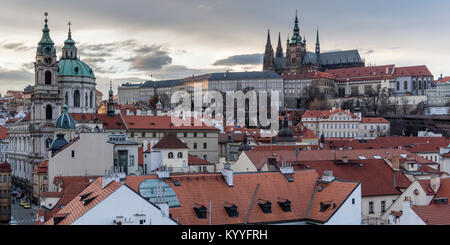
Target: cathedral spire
(279, 47)
(269, 60)
(317, 42)
(296, 38)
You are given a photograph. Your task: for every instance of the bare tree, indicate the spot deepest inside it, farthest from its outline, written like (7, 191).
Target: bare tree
(404, 104)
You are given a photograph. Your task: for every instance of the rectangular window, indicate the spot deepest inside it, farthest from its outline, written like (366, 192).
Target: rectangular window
(185, 135)
(195, 145)
(383, 206)
(143, 134)
(195, 134)
(204, 135)
(132, 135)
(73, 154)
(205, 145)
(131, 160)
(154, 135)
(371, 208)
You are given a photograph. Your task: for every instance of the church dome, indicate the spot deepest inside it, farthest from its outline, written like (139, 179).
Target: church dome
(286, 134)
(75, 68)
(65, 121)
(58, 143)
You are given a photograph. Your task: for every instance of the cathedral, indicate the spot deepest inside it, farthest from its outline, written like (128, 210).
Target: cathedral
(298, 60)
(61, 86)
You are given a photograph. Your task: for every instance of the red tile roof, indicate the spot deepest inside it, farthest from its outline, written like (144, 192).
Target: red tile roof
(200, 189)
(162, 123)
(76, 208)
(412, 71)
(193, 160)
(309, 75)
(109, 123)
(444, 189)
(283, 147)
(326, 113)
(3, 133)
(426, 186)
(4, 166)
(363, 73)
(51, 194)
(376, 177)
(433, 214)
(170, 141)
(42, 167)
(374, 120)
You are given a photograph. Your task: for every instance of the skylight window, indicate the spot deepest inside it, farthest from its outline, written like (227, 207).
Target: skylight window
(377, 157)
(362, 157)
(403, 155)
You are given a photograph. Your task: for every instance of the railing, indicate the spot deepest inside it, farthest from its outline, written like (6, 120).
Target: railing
(369, 220)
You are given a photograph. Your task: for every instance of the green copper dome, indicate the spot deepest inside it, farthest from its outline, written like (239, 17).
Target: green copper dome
(74, 67)
(65, 121)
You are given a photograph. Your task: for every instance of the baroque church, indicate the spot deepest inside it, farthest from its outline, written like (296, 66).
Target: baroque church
(61, 86)
(298, 60)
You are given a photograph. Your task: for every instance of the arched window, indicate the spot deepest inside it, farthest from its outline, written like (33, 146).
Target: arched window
(86, 100)
(92, 100)
(405, 85)
(180, 155)
(48, 77)
(398, 85)
(67, 98)
(420, 84)
(48, 112)
(76, 98)
(170, 155)
(414, 85)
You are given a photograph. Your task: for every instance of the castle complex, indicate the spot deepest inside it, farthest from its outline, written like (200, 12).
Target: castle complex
(298, 60)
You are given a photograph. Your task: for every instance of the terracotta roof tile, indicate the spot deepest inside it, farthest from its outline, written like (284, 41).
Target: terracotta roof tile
(162, 122)
(193, 160)
(170, 141)
(433, 214)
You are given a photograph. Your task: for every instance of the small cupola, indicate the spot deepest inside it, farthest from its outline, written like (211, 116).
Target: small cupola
(65, 121)
(58, 143)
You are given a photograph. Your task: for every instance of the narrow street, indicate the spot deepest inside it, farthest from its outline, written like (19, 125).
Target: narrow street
(21, 215)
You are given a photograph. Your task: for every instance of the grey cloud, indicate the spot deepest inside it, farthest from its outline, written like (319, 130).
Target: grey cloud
(17, 46)
(28, 65)
(15, 79)
(149, 58)
(243, 59)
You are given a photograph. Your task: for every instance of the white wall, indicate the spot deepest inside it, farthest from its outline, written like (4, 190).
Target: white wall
(93, 155)
(348, 213)
(409, 217)
(123, 202)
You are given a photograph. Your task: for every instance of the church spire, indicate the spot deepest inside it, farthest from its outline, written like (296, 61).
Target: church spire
(46, 45)
(317, 42)
(269, 60)
(111, 104)
(279, 47)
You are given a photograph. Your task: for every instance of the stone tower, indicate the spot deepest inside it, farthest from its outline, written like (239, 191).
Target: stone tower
(279, 53)
(295, 51)
(269, 60)
(46, 102)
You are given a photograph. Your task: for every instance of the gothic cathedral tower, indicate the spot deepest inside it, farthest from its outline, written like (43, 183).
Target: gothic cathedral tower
(295, 51)
(46, 102)
(269, 60)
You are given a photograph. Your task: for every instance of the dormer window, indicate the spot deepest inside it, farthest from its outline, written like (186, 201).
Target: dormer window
(265, 206)
(285, 204)
(231, 210)
(325, 205)
(200, 211)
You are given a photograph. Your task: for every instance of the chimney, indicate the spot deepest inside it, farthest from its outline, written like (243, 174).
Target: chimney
(435, 183)
(286, 168)
(227, 174)
(395, 162)
(387, 70)
(345, 159)
(163, 173)
(327, 176)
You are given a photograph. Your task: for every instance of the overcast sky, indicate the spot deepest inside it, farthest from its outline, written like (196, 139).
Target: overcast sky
(130, 41)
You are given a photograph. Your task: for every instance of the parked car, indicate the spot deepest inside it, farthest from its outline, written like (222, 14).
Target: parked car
(22, 203)
(27, 205)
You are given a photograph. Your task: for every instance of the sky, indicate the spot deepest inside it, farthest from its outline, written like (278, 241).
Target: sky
(138, 40)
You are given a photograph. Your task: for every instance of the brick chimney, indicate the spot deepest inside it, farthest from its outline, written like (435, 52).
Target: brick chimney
(435, 183)
(395, 162)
